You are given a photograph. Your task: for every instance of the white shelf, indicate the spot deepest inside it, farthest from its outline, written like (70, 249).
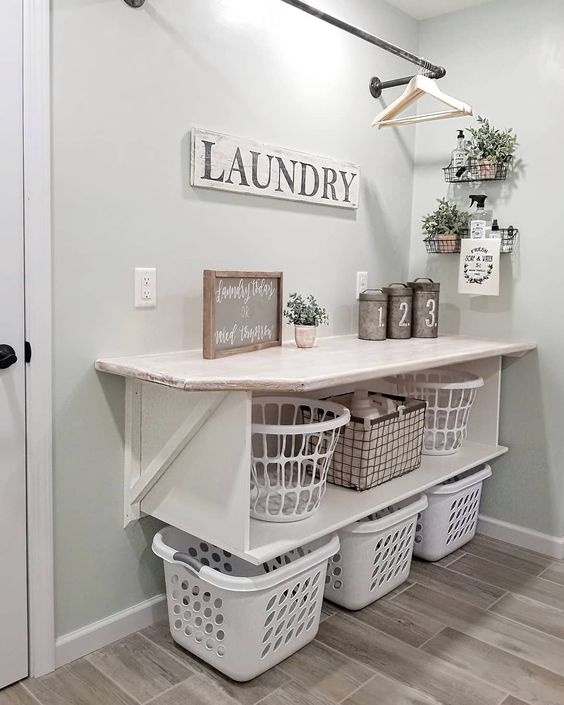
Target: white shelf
(188, 432)
(342, 506)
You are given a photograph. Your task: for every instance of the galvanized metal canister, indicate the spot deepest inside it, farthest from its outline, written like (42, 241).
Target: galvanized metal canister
(372, 314)
(400, 300)
(425, 322)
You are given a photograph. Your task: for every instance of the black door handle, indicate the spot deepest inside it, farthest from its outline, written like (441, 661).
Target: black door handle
(7, 356)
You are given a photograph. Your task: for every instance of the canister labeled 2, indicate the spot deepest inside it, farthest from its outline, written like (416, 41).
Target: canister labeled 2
(400, 299)
(425, 320)
(372, 314)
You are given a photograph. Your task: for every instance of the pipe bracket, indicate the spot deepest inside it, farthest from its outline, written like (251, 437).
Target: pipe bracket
(375, 87)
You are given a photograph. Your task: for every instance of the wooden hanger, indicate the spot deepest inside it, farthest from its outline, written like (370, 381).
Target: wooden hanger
(416, 88)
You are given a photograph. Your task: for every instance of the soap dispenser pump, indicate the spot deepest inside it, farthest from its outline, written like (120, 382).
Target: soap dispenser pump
(459, 158)
(480, 222)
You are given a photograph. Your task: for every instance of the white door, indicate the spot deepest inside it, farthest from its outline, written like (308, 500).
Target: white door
(13, 579)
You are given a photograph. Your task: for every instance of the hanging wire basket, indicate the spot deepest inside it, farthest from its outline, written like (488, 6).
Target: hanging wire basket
(476, 171)
(450, 244)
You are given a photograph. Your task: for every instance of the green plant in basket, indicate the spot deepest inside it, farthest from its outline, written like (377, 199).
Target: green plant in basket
(490, 147)
(305, 314)
(445, 224)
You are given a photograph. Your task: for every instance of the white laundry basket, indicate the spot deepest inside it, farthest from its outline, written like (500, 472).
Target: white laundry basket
(241, 618)
(293, 440)
(374, 556)
(449, 395)
(451, 518)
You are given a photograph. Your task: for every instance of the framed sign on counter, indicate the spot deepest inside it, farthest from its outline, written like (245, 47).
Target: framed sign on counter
(242, 312)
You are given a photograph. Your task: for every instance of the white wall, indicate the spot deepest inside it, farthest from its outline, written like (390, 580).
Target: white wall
(127, 88)
(506, 58)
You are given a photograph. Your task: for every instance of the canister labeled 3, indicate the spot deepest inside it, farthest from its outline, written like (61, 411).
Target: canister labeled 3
(425, 320)
(400, 300)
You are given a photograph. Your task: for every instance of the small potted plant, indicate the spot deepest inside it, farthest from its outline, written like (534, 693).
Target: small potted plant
(490, 150)
(445, 224)
(305, 314)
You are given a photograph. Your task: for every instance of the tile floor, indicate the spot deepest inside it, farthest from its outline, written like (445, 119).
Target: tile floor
(484, 626)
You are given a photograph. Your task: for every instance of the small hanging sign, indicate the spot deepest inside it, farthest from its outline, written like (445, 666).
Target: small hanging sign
(479, 266)
(237, 164)
(242, 312)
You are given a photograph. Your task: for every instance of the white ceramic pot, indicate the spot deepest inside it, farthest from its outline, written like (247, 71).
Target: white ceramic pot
(305, 336)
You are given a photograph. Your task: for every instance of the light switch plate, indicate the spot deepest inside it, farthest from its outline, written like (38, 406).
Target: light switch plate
(361, 283)
(145, 287)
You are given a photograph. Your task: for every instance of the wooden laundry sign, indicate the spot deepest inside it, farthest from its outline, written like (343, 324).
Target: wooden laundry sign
(242, 312)
(245, 166)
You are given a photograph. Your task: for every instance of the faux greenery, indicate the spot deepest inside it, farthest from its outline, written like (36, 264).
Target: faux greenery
(445, 220)
(488, 143)
(304, 312)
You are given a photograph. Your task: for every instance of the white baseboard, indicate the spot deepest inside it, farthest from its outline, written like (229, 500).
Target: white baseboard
(552, 546)
(95, 636)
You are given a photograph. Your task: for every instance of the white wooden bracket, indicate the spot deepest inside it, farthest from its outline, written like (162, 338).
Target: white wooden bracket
(139, 482)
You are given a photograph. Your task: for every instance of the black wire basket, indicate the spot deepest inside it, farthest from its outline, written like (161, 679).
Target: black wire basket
(475, 171)
(450, 245)
(371, 452)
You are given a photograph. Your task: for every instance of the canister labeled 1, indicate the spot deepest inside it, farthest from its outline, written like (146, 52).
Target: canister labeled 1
(425, 320)
(372, 314)
(400, 299)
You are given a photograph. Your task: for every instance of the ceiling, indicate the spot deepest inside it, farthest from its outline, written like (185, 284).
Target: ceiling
(423, 9)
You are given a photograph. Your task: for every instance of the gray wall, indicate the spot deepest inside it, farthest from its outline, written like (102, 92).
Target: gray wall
(506, 59)
(127, 87)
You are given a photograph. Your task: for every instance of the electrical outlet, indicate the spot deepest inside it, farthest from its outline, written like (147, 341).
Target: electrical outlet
(145, 287)
(361, 283)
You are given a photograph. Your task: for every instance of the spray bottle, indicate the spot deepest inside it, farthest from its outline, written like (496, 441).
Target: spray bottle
(480, 222)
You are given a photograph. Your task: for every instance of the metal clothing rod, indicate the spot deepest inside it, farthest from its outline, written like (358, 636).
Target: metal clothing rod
(376, 85)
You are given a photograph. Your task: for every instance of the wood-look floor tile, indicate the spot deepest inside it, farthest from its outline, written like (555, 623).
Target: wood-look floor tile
(412, 667)
(325, 673)
(244, 693)
(198, 690)
(396, 591)
(524, 584)
(504, 553)
(535, 614)
(327, 610)
(159, 634)
(294, 694)
(518, 639)
(79, 683)
(555, 572)
(447, 560)
(505, 671)
(389, 617)
(478, 593)
(16, 695)
(140, 667)
(385, 691)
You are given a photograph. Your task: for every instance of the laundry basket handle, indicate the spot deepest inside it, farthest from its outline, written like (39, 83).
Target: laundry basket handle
(167, 553)
(192, 564)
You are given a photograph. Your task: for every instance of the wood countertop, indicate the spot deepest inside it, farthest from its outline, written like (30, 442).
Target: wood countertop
(333, 361)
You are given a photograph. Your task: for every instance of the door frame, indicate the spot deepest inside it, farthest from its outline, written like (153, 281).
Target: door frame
(39, 412)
